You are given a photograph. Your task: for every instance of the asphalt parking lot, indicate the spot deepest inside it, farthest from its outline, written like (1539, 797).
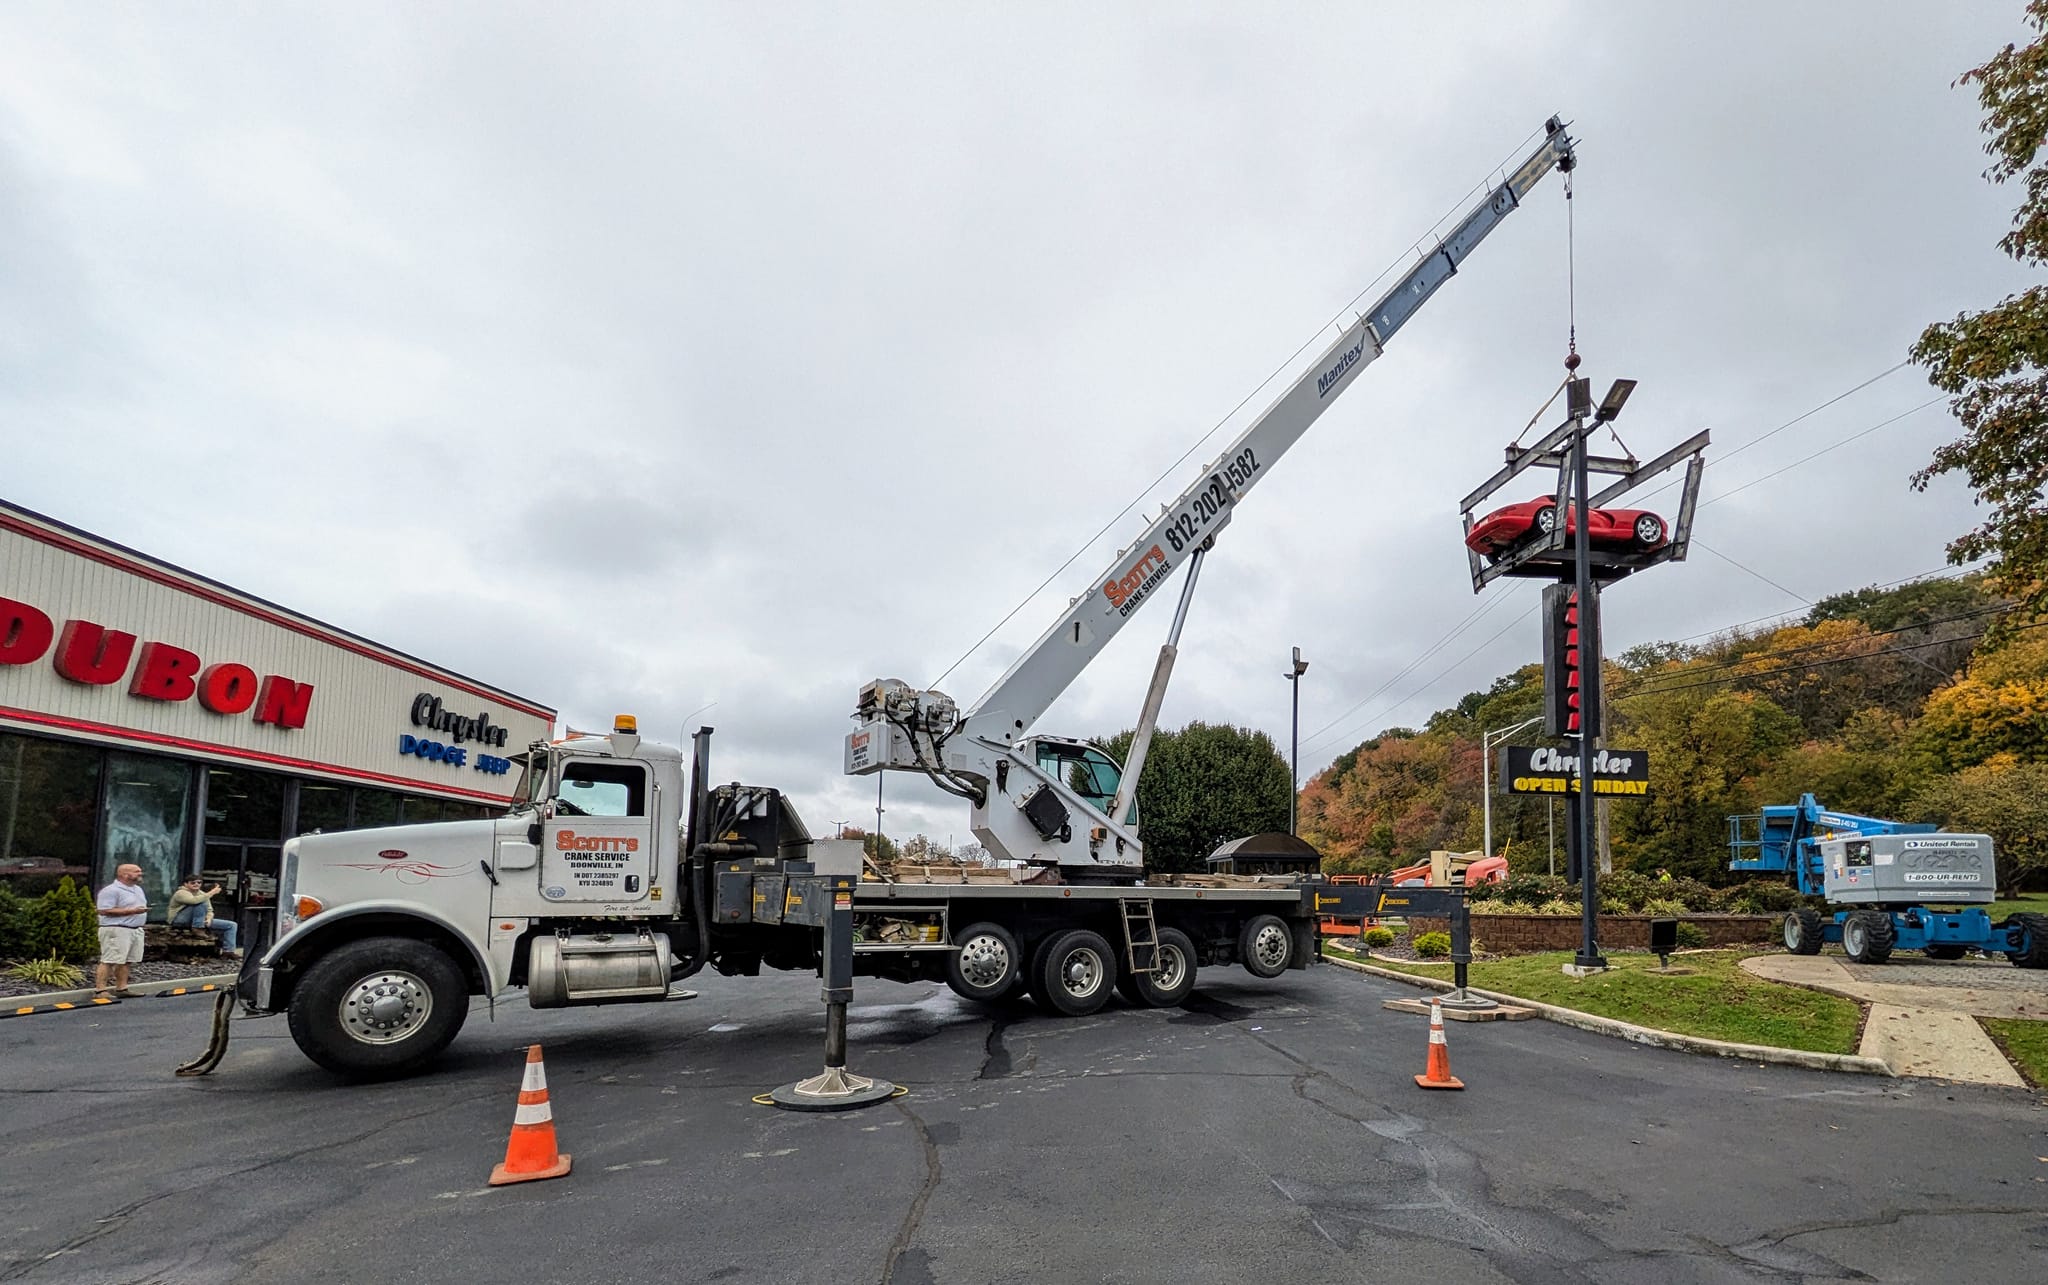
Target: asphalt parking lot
(1269, 1131)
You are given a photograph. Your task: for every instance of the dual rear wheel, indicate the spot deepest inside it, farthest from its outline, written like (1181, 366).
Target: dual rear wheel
(1070, 972)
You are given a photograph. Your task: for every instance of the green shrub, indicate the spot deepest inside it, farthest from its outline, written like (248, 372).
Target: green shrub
(1666, 908)
(62, 923)
(1511, 908)
(1760, 897)
(13, 923)
(1613, 906)
(1433, 945)
(1629, 887)
(1558, 906)
(1379, 936)
(1693, 892)
(1479, 892)
(1534, 889)
(1690, 935)
(47, 972)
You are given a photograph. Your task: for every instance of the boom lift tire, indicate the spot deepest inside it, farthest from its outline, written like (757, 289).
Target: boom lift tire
(988, 967)
(378, 1008)
(1945, 950)
(1265, 947)
(1075, 973)
(1803, 932)
(2036, 953)
(1172, 982)
(1868, 936)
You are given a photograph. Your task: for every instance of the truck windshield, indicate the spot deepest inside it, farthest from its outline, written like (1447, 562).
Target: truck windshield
(533, 779)
(1086, 771)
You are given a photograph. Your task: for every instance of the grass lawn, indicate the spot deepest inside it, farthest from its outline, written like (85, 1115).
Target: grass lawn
(2035, 902)
(2026, 1043)
(1718, 1000)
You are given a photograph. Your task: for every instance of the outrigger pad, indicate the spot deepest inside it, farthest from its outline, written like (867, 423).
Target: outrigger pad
(834, 1089)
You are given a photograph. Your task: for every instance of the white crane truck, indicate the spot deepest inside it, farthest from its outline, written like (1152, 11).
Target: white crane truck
(613, 875)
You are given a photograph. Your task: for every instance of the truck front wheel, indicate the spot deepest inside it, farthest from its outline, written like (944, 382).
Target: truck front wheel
(378, 1008)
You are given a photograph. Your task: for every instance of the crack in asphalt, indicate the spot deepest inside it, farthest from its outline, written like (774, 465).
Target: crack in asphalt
(995, 1059)
(114, 1220)
(900, 1246)
(1550, 1248)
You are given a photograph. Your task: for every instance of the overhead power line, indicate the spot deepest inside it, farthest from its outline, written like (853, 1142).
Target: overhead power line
(1426, 683)
(1833, 643)
(1815, 664)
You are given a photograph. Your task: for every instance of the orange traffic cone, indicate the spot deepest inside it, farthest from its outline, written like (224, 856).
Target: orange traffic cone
(1439, 1074)
(531, 1155)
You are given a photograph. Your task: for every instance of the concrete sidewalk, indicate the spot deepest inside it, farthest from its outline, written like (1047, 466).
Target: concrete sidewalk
(1923, 1016)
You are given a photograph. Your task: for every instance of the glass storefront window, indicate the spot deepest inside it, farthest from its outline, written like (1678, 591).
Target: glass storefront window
(242, 804)
(322, 807)
(420, 809)
(148, 822)
(48, 793)
(376, 807)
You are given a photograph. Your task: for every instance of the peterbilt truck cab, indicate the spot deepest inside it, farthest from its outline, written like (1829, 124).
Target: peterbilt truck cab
(385, 934)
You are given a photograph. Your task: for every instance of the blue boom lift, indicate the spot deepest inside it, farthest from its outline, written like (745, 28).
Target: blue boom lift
(1884, 872)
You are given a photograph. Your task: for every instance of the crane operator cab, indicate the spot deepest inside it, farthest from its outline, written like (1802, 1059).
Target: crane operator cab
(1086, 769)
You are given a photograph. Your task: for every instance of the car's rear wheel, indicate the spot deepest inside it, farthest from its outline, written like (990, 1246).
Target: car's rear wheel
(1545, 519)
(1649, 530)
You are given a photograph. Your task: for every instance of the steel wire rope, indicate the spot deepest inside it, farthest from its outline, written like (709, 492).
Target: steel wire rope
(1285, 366)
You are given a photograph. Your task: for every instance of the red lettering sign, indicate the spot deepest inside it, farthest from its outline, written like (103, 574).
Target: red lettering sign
(227, 688)
(25, 633)
(97, 656)
(165, 673)
(283, 702)
(88, 653)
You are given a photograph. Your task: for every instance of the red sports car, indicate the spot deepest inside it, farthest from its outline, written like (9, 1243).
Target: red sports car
(1636, 530)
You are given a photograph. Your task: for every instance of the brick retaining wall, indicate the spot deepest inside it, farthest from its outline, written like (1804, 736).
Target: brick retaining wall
(1526, 934)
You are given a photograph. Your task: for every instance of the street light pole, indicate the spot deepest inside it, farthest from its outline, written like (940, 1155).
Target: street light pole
(1487, 740)
(1294, 674)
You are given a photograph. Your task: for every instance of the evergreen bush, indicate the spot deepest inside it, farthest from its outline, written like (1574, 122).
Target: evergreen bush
(62, 924)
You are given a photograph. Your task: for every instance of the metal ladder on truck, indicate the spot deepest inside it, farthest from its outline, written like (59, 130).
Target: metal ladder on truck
(1141, 933)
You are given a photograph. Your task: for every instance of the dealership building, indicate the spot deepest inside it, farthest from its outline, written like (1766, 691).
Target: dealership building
(154, 716)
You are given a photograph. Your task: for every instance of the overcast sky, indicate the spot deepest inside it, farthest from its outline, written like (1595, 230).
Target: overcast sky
(638, 357)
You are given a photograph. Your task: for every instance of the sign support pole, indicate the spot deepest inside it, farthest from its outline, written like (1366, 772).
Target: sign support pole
(1580, 398)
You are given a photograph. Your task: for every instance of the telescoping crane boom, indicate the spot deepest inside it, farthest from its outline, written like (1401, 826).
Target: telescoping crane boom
(1052, 801)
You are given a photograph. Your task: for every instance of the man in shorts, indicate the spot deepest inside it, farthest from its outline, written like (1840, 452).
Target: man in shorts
(123, 911)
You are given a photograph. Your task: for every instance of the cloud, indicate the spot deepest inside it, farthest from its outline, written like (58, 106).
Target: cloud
(635, 359)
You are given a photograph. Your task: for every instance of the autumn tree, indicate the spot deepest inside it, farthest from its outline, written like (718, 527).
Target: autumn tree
(2004, 799)
(2000, 707)
(1994, 363)
(1204, 785)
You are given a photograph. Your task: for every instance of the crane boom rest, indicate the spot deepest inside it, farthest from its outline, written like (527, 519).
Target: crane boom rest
(1028, 792)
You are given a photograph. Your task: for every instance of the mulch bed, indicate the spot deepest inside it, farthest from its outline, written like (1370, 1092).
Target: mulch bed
(148, 971)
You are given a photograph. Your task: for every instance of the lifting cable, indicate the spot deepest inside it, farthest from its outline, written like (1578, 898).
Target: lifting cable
(1283, 368)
